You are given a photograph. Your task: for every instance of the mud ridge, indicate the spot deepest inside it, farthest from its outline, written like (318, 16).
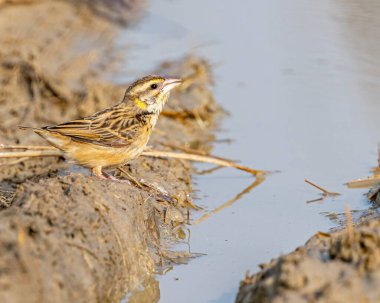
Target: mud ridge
(66, 236)
(340, 267)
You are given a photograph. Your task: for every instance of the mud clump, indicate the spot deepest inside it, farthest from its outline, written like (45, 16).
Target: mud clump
(341, 267)
(74, 238)
(66, 236)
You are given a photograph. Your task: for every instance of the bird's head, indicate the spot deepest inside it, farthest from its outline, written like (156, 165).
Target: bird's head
(150, 93)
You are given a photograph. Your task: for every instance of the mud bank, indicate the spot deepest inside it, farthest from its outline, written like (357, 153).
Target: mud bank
(340, 267)
(66, 236)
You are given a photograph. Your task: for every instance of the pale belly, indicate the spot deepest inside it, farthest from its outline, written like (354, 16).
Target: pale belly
(93, 156)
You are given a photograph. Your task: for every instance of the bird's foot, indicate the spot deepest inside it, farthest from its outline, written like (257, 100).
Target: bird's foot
(97, 171)
(113, 178)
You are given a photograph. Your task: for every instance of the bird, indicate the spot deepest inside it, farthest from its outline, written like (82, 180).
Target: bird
(117, 134)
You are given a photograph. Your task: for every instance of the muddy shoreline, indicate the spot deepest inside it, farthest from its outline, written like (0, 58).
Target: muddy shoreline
(341, 266)
(66, 236)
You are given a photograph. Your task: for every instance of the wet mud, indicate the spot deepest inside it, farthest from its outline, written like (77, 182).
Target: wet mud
(343, 266)
(66, 236)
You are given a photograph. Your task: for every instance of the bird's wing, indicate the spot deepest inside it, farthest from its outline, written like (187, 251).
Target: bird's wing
(112, 128)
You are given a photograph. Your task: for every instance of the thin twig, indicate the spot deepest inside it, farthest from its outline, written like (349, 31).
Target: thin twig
(350, 231)
(32, 153)
(133, 179)
(163, 194)
(149, 153)
(201, 158)
(324, 191)
(370, 181)
(321, 234)
(28, 147)
(317, 200)
(364, 183)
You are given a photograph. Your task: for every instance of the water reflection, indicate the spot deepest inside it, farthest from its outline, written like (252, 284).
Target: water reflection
(258, 180)
(149, 292)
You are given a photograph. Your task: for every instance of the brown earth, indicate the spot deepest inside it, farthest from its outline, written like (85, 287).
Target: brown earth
(66, 236)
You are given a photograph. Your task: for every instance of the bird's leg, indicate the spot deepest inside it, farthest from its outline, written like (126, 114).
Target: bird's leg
(110, 177)
(97, 171)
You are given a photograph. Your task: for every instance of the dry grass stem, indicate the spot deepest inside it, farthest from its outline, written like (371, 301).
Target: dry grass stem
(350, 230)
(370, 181)
(325, 192)
(321, 234)
(133, 179)
(201, 158)
(46, 151)
(27, 147)
(364, 183)
(32, 153)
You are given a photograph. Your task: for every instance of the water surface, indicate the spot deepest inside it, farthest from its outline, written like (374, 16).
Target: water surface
(301, 82)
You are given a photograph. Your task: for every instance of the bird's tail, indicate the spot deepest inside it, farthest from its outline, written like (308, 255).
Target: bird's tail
(37, 130)
(27, 127)
(54, 139)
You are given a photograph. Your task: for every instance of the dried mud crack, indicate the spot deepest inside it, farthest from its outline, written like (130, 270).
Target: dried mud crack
(66, 236)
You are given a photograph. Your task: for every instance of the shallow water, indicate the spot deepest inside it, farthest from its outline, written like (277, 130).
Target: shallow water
(301, 82)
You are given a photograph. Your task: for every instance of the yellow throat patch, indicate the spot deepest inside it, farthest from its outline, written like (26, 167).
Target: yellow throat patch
(140, 103)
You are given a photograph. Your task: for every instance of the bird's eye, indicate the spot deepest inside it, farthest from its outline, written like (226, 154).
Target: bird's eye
(153, 86)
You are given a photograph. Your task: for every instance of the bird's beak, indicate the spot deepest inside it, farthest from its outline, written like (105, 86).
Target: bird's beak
(170, 83)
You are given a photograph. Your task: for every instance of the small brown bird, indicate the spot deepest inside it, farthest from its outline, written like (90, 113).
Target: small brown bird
(116, 135)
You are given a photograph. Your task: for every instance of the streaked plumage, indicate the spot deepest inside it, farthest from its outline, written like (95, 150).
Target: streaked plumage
(116, 135)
